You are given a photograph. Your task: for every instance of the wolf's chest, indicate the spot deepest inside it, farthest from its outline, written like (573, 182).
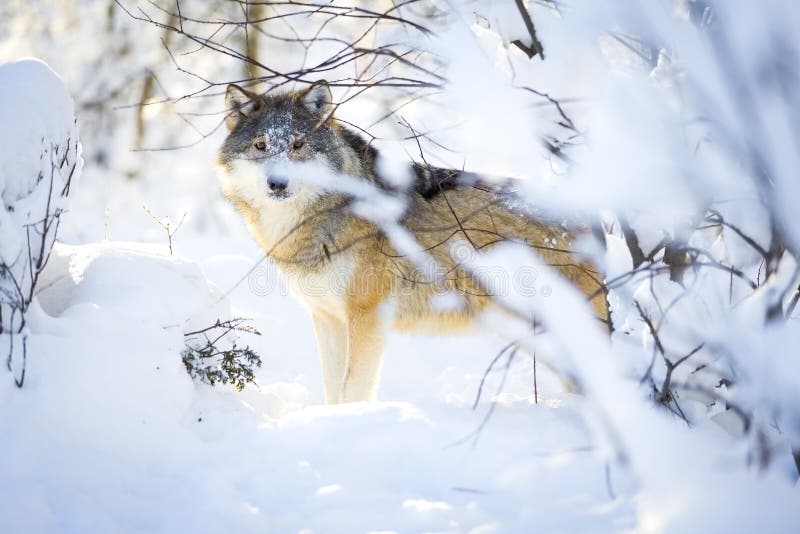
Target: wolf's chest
(325, 288)
(302, 245)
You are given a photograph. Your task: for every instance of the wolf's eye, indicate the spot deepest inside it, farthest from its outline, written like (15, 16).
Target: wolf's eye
(298, 142)
(260, 144)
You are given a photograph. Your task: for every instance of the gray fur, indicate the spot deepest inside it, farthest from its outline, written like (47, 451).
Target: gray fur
(280, 119)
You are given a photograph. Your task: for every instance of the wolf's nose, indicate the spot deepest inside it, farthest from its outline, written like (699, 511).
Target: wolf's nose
(277, 183)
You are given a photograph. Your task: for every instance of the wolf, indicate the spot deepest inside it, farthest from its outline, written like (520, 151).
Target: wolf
(345, 268)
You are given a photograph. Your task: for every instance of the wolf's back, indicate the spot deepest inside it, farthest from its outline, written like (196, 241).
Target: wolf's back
(482, 217)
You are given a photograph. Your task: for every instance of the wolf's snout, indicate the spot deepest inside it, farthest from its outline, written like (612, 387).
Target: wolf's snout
(277, 183)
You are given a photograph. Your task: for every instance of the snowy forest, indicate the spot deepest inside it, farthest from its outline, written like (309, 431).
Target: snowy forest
(631, 368)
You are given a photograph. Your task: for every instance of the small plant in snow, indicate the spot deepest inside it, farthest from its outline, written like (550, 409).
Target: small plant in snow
(212, 357)
(166, 224)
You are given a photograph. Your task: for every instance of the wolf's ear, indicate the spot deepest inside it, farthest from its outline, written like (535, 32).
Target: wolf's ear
(318, 99)
(239, 104)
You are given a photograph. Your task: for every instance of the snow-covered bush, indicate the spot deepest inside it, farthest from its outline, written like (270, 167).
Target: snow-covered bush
(211, 357)
(717, 262)
(40, 158)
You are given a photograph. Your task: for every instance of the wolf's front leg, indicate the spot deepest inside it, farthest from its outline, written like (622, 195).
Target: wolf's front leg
(331, 336)
(364, 356)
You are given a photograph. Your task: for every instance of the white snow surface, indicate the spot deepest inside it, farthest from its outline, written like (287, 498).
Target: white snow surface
(111, 434)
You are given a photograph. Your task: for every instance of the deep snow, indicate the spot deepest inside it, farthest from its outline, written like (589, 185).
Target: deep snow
(111, 434)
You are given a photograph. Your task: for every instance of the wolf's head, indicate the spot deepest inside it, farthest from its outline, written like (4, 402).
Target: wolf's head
(271, 136)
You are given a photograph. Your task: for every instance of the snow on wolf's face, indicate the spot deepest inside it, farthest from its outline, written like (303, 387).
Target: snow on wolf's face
(273, 140)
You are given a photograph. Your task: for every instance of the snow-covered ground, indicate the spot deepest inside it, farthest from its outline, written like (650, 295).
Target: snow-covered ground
(111, 434)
